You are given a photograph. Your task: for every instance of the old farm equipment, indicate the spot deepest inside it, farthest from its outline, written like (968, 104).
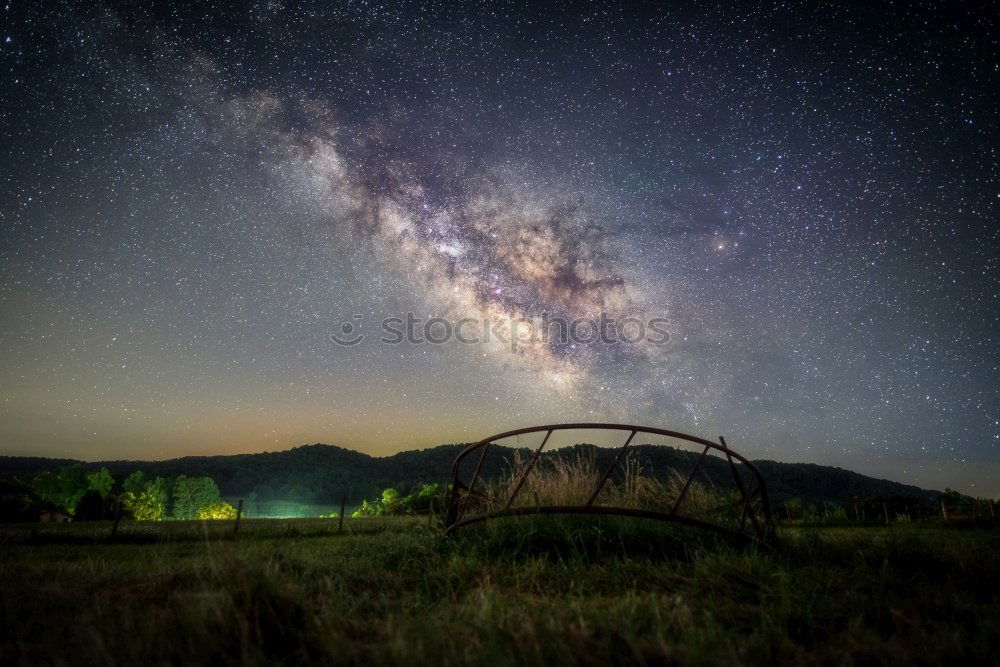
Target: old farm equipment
(749, 520)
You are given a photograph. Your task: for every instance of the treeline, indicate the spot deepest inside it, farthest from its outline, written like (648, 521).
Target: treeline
(429, 498)
(86, 495)
(874, 510)
(324, 474)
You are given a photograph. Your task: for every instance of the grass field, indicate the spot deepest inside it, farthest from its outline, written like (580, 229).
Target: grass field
(529, 591)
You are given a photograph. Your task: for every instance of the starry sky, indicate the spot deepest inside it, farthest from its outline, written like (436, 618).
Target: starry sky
(196, 197)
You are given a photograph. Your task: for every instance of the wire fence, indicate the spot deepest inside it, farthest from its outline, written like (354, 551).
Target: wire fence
(288, 509)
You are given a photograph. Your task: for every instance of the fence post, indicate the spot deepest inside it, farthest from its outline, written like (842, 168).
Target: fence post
(343, 503)
(239, 513)
(944, 509)
(118, 518)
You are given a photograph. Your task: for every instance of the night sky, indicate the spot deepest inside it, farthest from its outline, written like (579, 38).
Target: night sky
(195, 198)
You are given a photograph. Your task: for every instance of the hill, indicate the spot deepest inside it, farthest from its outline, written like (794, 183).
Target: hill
(323, 473)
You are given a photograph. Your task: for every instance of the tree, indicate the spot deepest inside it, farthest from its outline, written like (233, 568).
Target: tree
(73, 485)
(19, 502)
(367, 509)
(191, 494)
(217, 510)
(135, 482)
(159, 491)
(144, 500)
(100, 481)
(46, 486)
(422, 501)
(141, 507)
(391, 501)
(65, 488)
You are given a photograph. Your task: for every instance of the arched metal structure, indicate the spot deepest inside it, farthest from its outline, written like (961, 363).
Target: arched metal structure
(755, 523)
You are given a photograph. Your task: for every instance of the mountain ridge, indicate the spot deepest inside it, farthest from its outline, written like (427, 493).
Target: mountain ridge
(325, 473)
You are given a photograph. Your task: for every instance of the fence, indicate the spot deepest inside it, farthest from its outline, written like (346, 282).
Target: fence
(287, 509)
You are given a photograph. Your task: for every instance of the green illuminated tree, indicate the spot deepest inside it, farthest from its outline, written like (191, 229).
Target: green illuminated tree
(191, 494)
(46, 486)
(423, 500)
(135, 482)
(217, 510)
(145, 500)
(100, 481)
(64, 488)
(366, 509)
(391, 501)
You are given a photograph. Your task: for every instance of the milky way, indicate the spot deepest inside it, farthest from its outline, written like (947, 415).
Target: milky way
(486, 246)
(196, 202)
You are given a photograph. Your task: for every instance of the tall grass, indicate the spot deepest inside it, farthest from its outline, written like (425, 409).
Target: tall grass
(291, 592)
(559, 481)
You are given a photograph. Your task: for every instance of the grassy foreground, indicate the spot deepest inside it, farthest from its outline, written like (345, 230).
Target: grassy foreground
(518, 592)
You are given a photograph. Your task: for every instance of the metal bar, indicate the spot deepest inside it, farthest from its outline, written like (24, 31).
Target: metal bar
(601, 426)
(527, 470)
(739, 485)
(746, 505)
(607, 473)
(456, 503)
(479, 467)
(453, 501)
(463, 501)
(687, 484)
(732, 466)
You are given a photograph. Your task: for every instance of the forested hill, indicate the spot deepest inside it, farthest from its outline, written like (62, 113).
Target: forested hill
(323, 473)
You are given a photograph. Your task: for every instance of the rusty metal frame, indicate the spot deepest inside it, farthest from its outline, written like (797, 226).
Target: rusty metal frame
(753, 499)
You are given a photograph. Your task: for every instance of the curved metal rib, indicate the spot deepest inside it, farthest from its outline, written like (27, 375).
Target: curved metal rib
(461, 493)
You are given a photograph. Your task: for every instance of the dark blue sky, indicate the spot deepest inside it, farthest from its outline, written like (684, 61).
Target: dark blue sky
(195, 198)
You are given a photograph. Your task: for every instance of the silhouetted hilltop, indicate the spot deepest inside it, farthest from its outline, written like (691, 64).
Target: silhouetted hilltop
(323, 473)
